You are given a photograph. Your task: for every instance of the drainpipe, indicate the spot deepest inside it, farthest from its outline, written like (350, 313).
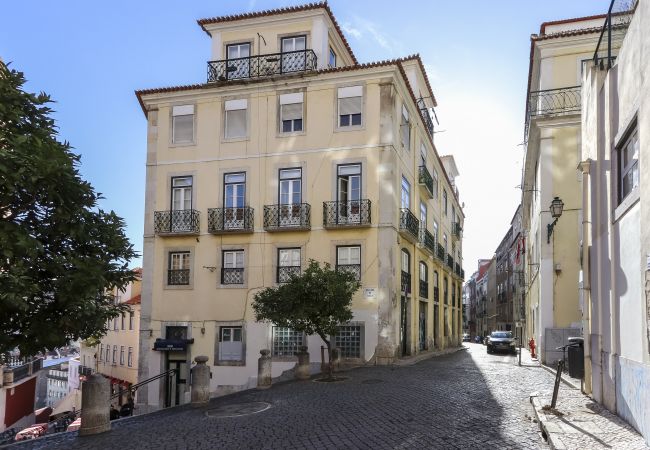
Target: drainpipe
(585, 168)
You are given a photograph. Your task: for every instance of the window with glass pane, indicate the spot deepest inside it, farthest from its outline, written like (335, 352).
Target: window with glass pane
(435, 232)
(424, 276)
(444, 201)
(235, 125)
(181, 193)
(288, 263)
(290, 186)
(406, 264)
(293, 54)
(406, 194)
(131, 319)
(179, 268)
(230, 344)
(332, 60)
(291, 110)
(287, 342)
(628, 165)
(348, 340)
(130, 358)
(435, 183)
(183, 124)
(423, 155)
(108, 351)
(101, 352)
(233, 267)
(114, 361)
(349, 192)
(121, 355)
(348, 258)
(238, 61)
(350, 101)
(234, 193)
(405, 129)
(444, 241)
(423, 215)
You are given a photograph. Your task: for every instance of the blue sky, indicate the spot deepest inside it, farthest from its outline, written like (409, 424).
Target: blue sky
(90, 57)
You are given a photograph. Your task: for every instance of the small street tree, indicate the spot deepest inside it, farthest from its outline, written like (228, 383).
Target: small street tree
(60, 255)
(315, 302)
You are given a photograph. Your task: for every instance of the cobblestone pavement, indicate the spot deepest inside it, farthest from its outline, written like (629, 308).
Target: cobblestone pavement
(467, 399)
(583, 423)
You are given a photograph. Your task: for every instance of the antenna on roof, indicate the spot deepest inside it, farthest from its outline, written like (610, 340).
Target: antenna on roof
(258, 42)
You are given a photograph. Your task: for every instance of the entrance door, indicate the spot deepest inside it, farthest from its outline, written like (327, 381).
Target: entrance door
(176, 384)
(423, 326)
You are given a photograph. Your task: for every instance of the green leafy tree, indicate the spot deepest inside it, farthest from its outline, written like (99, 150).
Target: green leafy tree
(314, 302)
(60, 254)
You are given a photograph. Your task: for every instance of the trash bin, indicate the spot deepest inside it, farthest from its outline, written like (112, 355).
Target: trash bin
(576, 357)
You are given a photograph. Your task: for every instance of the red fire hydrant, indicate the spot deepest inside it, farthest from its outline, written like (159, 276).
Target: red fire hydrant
(531, 345)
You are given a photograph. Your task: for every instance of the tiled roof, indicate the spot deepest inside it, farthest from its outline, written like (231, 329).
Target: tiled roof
(274, 12)
(542, 28)
(133, 300)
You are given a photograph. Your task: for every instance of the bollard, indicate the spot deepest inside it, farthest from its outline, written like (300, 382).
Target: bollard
(301, 372)
(200, 389)
(264, 370)
(95, 406)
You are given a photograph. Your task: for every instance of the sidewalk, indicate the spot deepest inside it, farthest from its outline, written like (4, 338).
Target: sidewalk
(579, 422)
(411, 360)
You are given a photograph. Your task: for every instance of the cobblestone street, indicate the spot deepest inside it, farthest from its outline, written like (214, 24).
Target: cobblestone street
(467, 399)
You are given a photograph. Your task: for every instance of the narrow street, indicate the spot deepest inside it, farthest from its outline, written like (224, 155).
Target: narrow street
(467, 399)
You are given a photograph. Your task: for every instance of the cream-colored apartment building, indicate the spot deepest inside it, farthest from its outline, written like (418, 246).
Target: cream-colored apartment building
(559, 55)
(293, 150)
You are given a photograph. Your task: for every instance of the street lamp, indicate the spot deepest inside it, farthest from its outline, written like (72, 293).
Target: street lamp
(556, 211)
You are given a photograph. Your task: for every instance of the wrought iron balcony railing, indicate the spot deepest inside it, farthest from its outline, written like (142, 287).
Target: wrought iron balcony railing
(554, 102)
(178, 277)
(287, 217)
(230, 220)
(354, 269)
(426, 117)
(405, 280)
(261, 66)
(424, 289)
(354, 213)
(456, 230)
(427, 241)
(450, 261)
(232, 275)
(286, 272)
(425, 179)
(441, 253)
(184, 221)
(16, 368)
(409, 224)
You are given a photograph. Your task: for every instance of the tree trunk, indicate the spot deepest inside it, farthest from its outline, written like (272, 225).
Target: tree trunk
(330, 369)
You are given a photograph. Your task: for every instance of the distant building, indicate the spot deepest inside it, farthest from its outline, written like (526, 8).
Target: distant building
(18, 390)
(57, 383)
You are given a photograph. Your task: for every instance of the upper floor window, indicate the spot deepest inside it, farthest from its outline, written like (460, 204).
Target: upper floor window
(293, 54)
(131, 319)
(231, 344)
(406, 261)
(288, 263)
(423, 155)
(233, 267)
(406, 194)
(349, 183)
(178, 272)
(183, 124)
(423, 215)
(130, 358)
(444, 201)
(350, 100)
(444, 241)
(238, 61)
(181, 193)
(435, 183)
(348, 258)
(290, 186)
(331, 63)
(291, 109)
(405, 129)
(435, 231)
(235, 124)
(234, 190)
(453, 213)
(628, 165)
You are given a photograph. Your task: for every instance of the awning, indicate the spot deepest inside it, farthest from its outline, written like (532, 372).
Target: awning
(172, 345)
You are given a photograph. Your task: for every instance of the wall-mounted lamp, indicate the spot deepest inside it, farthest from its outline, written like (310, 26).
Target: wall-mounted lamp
(556, 211)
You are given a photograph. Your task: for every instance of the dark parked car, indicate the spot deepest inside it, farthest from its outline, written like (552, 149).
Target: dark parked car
(501, 341)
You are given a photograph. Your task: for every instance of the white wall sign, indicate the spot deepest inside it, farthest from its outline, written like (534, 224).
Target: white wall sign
(369, 293)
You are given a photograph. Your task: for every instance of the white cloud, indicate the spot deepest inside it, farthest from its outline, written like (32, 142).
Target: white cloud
(359, 28)
(350, 30)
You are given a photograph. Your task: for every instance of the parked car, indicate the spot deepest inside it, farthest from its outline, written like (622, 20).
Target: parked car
(466, 337)
(501, 341)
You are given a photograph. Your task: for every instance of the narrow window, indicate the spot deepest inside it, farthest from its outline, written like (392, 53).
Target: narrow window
(121, 355)
(238, 61)
(131, 319)
(235, 124)
(424, 280)
(291, 111)
(435, 232)
(183, 124)
(293, 53)
(423, 215)
(232, 271)
(435, 183)
(444, 201)
(101, 352)
(350, 100)
(181, 193)
(178, 272)
(288, 264)
(230, 344)
(628, 165)
(405, 129)
(234, 199)
(348, 194)
(123, 321)
(108, 351)
(423, 155)
(348, 258)
(406, 194)
(130, 358)
(332, 60)
(115, 354)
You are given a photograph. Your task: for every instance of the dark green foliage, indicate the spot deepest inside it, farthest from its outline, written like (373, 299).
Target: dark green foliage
(315, 302)
(59, 253)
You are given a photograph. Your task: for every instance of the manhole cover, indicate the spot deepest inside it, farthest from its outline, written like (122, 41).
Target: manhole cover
(330, 380)
(372, 381)
(238, 409)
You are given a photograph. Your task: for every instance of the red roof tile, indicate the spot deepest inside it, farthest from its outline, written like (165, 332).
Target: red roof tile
(133, 300)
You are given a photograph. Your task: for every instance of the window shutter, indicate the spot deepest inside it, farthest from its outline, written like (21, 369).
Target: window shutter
(349, 105)
(296, 97)
(236, 123)
(183, 129)
(232, 105)
(291, 111)
(351, 91)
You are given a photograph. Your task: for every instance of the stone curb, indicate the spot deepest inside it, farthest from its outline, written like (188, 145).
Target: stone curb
(565, 379)
(554, 442)
(411, 361)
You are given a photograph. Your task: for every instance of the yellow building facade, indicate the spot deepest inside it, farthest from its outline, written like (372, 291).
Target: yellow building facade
(293, 151)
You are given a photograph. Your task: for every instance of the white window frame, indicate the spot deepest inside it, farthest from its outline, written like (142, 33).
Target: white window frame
(232, 334)
(181, 113)
(630, 145)
(405, 196)
(405, 129)
(288, 101)
(235, 105)
(350, 92)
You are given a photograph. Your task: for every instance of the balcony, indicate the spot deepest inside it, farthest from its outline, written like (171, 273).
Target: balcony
(450, 261)
(354, 213)
(230, 220)
(285, 273)
(427, 241)
(17, 368)
(409, 225)
(405, 280)
(261, 66)
(425, 180)
(232, 275)
(177, 223)
(424, 289)
(178, 277)
(354, 269)
(456, 230)
(554, 102)
(426, 117)
(290, 217)
(441, 253)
